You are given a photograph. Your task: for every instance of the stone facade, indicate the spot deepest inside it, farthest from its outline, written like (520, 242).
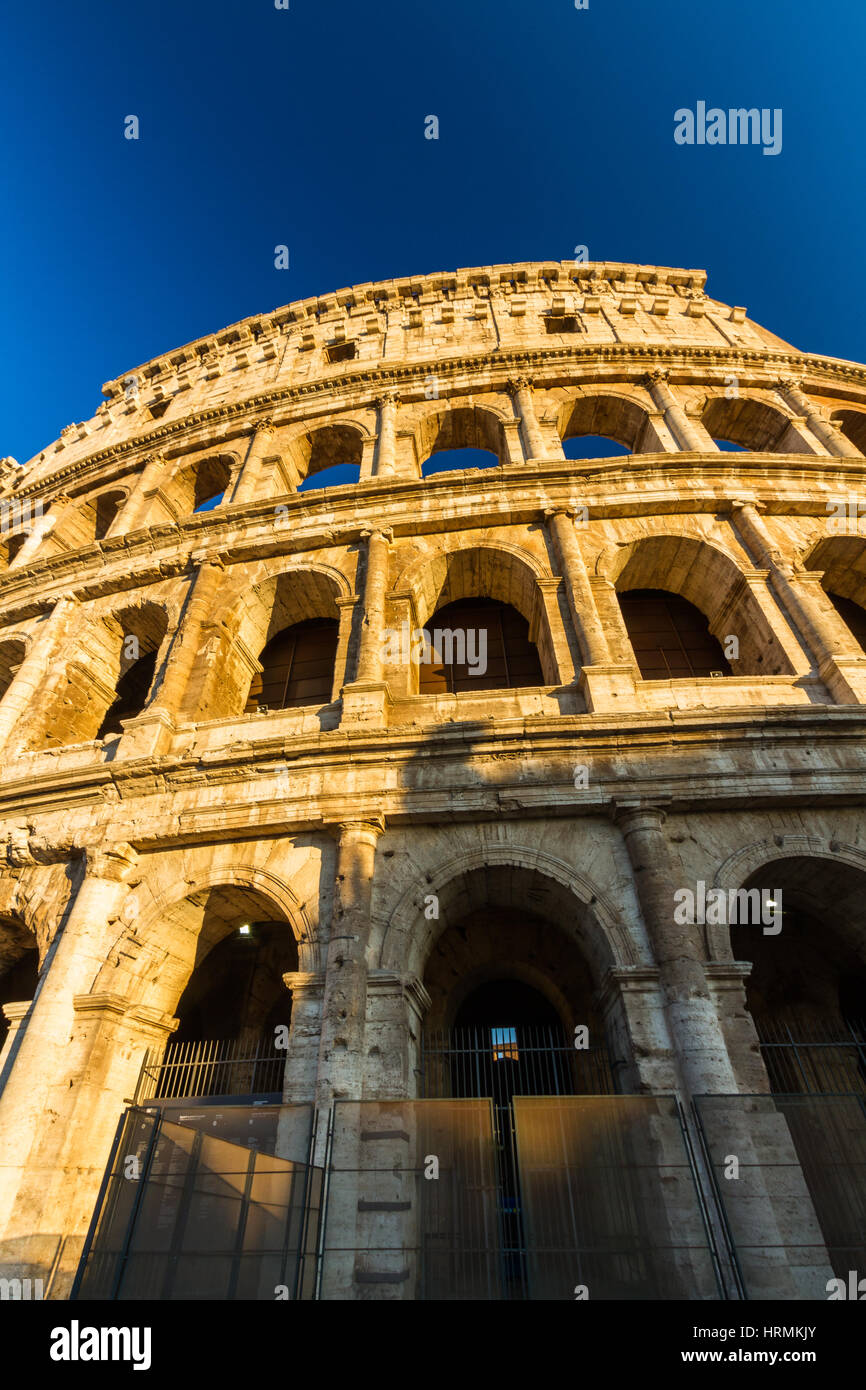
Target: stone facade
(560, 819)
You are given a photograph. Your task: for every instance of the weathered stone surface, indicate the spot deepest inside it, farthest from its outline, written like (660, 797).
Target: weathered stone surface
(414, 844)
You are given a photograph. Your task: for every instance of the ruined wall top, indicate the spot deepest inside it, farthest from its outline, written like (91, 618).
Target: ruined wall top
(364, 334)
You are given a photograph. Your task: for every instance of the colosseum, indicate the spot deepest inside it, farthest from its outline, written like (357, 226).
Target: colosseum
(434, 874)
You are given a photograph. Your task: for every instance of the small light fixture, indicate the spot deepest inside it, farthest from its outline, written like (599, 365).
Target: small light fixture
(245, 929)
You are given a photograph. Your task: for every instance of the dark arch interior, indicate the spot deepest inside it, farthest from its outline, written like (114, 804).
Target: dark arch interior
(131, 697)
(671, 638)
(18, 983)
(506, 1004)
(297, 667)
(107, 507)
(852, 614)
(494, 634)
(237, 991)
(210, 480)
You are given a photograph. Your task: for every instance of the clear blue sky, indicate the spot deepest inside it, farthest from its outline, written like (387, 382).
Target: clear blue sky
(261, 126)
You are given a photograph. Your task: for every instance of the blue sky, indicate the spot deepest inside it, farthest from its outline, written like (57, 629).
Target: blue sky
(305, 127)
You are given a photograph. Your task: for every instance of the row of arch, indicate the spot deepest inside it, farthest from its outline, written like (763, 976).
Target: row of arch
(669, 605)
(502, 922)
(598, 424)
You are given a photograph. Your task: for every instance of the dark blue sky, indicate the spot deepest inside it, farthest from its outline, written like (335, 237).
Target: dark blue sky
(306, 127)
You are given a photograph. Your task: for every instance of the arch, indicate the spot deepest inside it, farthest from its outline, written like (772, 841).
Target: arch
(198, 486)
(19, 964)
(402, 941)
(11, 546)
(454, 427)
(106, 507)
(283, 599)
(89, 689)
(852, 423)
(753, 424)
(13, 650)
(180, 932)
(324, 447)
(490, 571)
(615, 415)
(842, 563)
(709, 578)
(748, 861)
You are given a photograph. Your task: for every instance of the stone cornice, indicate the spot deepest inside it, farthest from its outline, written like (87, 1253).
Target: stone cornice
(686, 749)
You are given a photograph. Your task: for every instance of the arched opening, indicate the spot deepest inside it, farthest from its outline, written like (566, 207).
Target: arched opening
(111, 682)
(210, 481)
(12, 654)
(513, 1014)
(228, 954)
(670, 637)
(712, 583)
(807, 988)
(198, 487)
(298, 599)
(10, 547)
(478, 644)
(463, 437)
(106, 507)
(297, 667)
(131, 697)
(19, 967)
(852, 423)
(852, 615)
(753, 425)
(329, 456)
(486, 572)
(592, 446)
(143, 631)
(729, 447)
(599, 419)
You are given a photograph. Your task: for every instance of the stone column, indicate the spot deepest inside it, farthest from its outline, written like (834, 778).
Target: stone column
(689, 434)
(533, 442)
(41, 527)
(397, 1006)
(581, 600)
(299, 1079)
(821, 635)
(198, 610)
(688, 1005)
(831, 437)
(386, 451)
(33, 671)
(253, 467)
(364, 698)
(134, 510)
(344, 1005)
(13, 1013)
(57, 1089)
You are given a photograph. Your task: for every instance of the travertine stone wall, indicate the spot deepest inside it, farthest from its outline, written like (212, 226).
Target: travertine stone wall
(127, 858)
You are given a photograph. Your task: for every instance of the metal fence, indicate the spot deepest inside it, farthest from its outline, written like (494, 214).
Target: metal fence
(804, 1056)
(214, 1067)
(506, 1062)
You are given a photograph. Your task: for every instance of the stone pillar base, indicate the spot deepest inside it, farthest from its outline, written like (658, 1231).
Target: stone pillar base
(147, 736)
(608, 689)
(365, 702)
(845, 678)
